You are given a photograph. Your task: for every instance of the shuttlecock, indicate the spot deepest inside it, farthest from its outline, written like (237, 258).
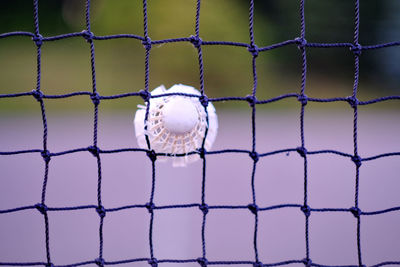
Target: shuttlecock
(176, 124)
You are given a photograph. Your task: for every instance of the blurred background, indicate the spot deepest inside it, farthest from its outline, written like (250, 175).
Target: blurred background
(119, 63)
(126, 176)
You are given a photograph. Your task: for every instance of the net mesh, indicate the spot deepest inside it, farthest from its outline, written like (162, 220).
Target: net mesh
(198, 43)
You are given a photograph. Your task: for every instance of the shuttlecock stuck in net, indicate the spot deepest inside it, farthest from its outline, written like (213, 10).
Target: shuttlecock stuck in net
(176, 124)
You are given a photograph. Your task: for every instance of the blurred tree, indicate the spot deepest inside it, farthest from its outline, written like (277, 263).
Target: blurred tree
(17, 15)
(227, 69)
(332, 22)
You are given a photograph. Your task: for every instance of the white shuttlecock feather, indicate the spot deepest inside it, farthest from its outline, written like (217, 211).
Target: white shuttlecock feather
(176, 124)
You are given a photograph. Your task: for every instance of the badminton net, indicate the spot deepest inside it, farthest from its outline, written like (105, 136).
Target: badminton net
(196, 40)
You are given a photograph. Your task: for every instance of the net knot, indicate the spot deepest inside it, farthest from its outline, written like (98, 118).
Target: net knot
(254, 155)
(258, 264)
(101, 211)
(46, 155)
(307, 262)
(42, 208)
(99, 262)
(202, 152)
(302, 151)
(306, 210)
(357, 160)
(37, 94)
(145, 95)
(152, 155)
(353, 101)
(253, 49)
(253, 208)
(153, 262)
(252, 100)
(147, 43)
(150, 207)
(301, 42)
(303, 99)
(196, 41)
(355, 211)
(204, 100)
(356, 49)
(88, 35)
(204, 208)
(94, 150)
(38, 39)
(202, 261)
(95, 99)
(49, 264)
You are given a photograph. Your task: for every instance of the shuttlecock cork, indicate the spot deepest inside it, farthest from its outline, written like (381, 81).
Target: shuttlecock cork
(176, 124)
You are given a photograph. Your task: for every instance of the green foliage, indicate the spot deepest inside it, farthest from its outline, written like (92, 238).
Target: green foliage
(227, 69)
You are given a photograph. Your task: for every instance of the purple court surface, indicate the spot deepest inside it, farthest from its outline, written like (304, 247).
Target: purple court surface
(74, 235)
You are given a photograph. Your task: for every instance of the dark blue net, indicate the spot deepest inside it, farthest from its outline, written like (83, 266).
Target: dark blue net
(197, 42)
